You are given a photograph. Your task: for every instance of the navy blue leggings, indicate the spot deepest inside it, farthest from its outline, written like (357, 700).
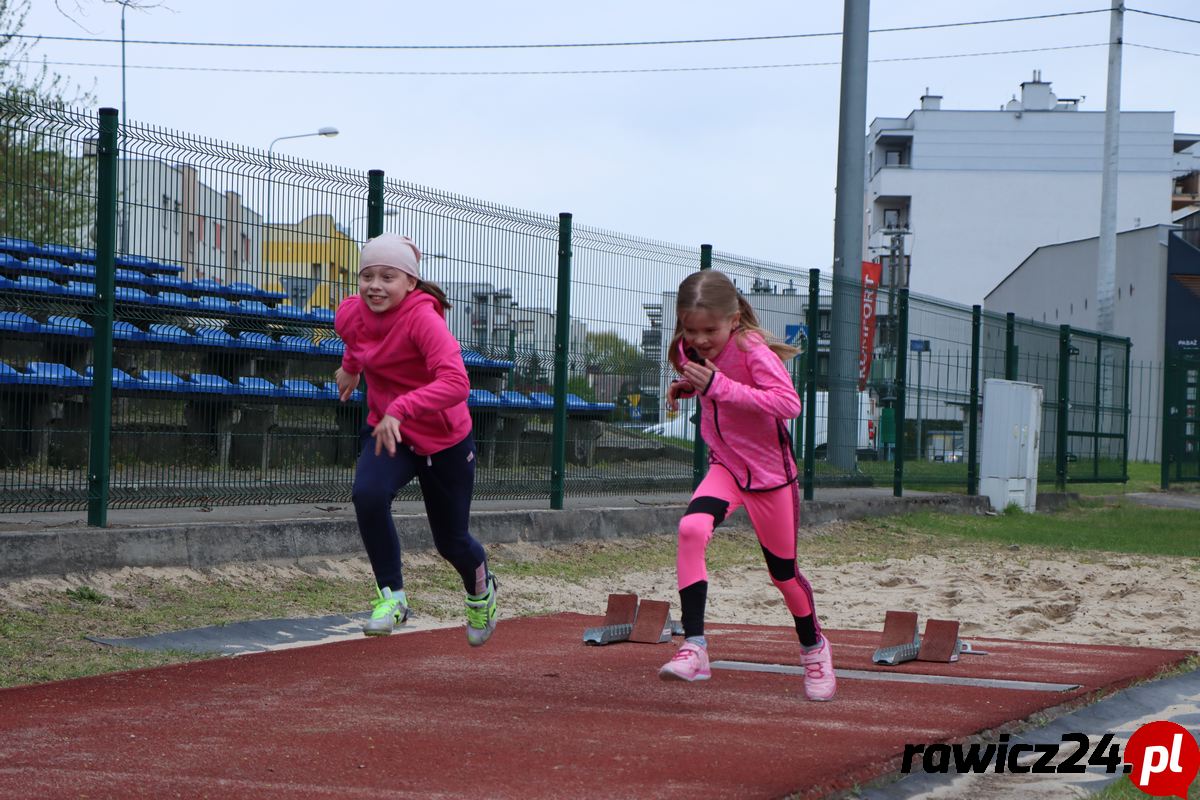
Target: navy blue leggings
(447, 479)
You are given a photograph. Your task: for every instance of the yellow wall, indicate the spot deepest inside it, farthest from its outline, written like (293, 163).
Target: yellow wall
(291, 250)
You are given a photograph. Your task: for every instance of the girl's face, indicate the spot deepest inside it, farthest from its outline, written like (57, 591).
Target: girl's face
(708, 332)
(383, 288)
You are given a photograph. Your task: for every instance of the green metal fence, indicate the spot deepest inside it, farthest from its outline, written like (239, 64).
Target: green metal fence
(167, 317)
(1181, 418)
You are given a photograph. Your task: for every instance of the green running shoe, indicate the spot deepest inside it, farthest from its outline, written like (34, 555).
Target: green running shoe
(390, 610)
(481, 614)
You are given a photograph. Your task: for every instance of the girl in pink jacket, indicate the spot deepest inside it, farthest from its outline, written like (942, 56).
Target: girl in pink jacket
(395, 333)
(746, 398)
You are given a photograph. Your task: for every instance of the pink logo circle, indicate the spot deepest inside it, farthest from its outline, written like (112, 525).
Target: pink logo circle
(1164, 757)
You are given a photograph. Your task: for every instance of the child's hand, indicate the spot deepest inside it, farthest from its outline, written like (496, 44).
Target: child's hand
(698, 373)
(676, 390)
(346, 383)
(387, 435)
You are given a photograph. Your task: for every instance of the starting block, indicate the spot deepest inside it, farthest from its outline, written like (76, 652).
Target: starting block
(627, 620)
(901, 642)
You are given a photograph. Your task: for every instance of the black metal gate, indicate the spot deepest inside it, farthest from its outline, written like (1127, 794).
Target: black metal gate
(1181, 423)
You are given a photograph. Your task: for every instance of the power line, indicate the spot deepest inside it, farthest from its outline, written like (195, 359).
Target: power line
(1162, 49)
(479, 73)
(721, 40)
(1164, 16)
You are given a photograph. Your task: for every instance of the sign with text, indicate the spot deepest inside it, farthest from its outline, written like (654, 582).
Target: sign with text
(871, 274)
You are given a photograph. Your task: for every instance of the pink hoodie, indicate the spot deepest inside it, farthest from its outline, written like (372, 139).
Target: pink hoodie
(746, 407)
(413, 366)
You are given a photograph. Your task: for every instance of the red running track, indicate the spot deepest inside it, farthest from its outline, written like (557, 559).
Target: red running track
(534, 714)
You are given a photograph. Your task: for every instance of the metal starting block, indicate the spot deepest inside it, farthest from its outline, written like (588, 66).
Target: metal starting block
(900, 641)
(627, 620)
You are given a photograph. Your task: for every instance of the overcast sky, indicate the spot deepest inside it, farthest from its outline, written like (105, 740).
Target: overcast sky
(744, 159)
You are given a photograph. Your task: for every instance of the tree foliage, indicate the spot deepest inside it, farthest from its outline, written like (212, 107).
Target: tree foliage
(46, 183)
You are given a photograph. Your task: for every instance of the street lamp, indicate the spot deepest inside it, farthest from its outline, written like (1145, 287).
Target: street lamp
(327, 131)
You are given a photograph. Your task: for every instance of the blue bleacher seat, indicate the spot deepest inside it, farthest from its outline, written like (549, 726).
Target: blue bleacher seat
(269, 295)
(330, 389)
(541, 400)
(169, 282)
(80, 289)
(23, 247)
(162, 380)
(86, 255)
(515, 400)
(208, 285)
(67, 326)
(258, 386)
(61, 251)
(36, 283)
(575, 401)
(81, 270)
(209, 303)
(130, 276)
(333, 347)
(137, 262)
(253, 307)
(10, 375)
(214, 337)
(10, 262)
(299, 388)
(473, 359)
(295, 344)
(127, 294)
(289, 311)
(120, 379)
(482, 398)
(6, 283)
(241, 290)
(210, 384)
(175, 300)
(17, 322)
(323, 315)
(128, 331)
(252, 340)
(44, 266)
(51, 374)
(163, 332)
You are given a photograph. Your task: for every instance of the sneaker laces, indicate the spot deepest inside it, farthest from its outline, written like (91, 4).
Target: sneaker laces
(684, 653)
(478, 611)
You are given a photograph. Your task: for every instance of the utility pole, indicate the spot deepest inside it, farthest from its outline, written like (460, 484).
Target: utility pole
(847, 239)
(895, 282)
(1106, 268)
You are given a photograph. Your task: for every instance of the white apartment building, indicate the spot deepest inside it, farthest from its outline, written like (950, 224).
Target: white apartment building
(980, 190)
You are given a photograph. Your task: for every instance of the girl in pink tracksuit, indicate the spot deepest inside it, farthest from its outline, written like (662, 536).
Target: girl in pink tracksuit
(746, 397)
(395, 334)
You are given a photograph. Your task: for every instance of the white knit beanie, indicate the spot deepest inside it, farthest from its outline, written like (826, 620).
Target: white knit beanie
(391, 250)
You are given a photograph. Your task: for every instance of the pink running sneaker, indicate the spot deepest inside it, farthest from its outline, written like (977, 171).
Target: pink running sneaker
(819, 681)
(690, 663)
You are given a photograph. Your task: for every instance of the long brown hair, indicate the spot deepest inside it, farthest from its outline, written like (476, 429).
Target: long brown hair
(711, 290)
(432, 288)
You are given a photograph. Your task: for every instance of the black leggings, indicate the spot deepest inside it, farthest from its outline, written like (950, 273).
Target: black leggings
(447, 480)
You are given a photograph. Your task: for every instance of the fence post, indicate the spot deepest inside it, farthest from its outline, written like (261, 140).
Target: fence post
(901, 375)
(973, 412)
(1164, 452)
(1125, 429)
(1010, 346)
(100, 445)
(1096, 406)
(1064, 399)
(374, 203)
(699, 449)
(562, 340)
(813, 319)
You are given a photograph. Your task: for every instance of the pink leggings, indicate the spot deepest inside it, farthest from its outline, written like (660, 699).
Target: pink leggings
(775, 516)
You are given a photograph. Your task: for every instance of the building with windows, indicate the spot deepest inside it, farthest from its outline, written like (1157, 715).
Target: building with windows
(974, 192)
(313, 261)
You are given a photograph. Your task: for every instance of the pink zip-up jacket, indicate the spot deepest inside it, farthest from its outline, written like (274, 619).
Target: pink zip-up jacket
(745, 411)
(413, 366)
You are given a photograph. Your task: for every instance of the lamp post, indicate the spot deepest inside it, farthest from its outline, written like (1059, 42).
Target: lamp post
(327, 131)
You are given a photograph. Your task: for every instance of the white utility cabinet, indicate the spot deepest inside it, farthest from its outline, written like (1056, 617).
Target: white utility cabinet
(1012, 423)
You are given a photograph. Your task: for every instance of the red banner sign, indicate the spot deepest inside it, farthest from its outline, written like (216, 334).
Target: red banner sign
(872, 273)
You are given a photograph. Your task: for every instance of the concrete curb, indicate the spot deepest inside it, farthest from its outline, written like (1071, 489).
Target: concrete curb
(60, 552)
